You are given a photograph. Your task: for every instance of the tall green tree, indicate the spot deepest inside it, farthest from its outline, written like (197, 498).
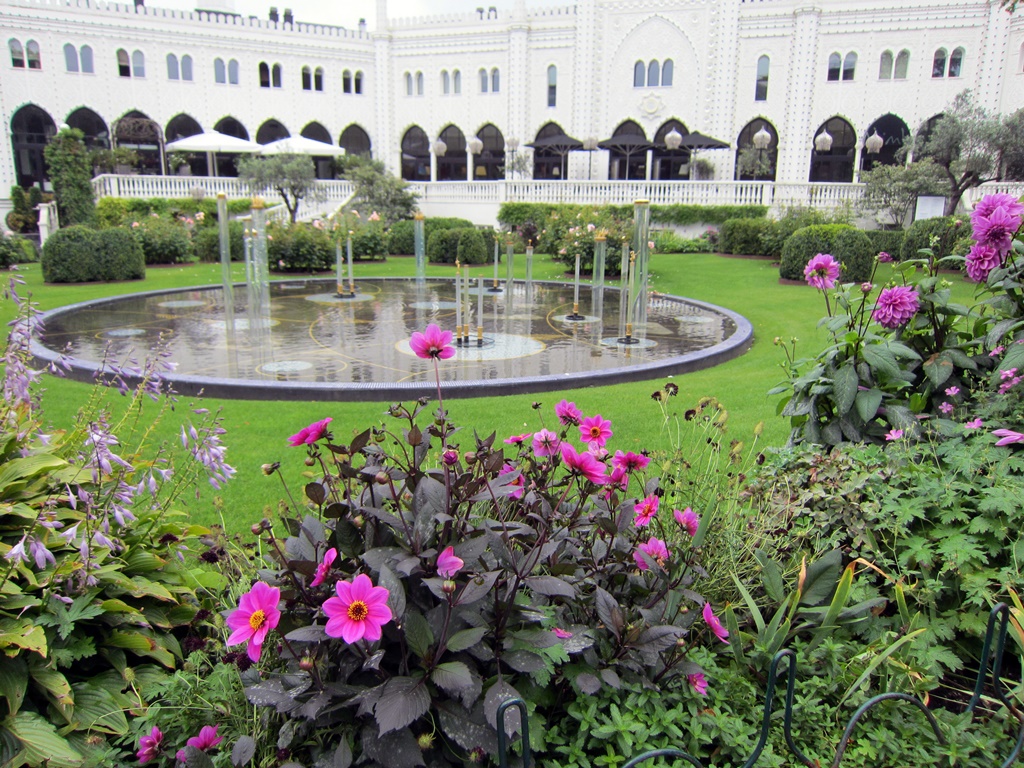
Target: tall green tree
(71, 175)
(890, 190)
(377, 190)
(293, 177)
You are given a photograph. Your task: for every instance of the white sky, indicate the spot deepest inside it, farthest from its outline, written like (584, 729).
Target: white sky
(345, 13)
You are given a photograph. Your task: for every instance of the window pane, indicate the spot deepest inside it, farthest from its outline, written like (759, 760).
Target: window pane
(32, 54)
(495, 82)
(86, 53)
(307, 81)
(885, 66)
(849, 66)
(186, 68)
(346, 81)
(457, 82)
(956, 61)
(233, 72)
(939, 63)
(359, 82)
(172, 67)
(761, 88)
(446, 82)
(834, 63)
(552, 85)
(419, 83)
(219, 75)
(902, 64)
(666, 72)
(318, 79)
(123, 67)
(277, 75)
(654, 73)
(639, 75)
(408, 84)
(483, 81)
(70, 57)
(138, 64)
(264, 75)
(17, 53)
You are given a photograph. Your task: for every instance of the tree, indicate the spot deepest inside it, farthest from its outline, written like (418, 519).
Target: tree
(1012, 160)
(966, 142)
(377, 190)
(890, 190)
(70, 172)
(293, 177)
(754, 162)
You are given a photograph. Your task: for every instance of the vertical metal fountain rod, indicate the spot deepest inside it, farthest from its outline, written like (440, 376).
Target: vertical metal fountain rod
(351, 279)
(225, 255)
(468, 298)
(458, 303)
(641, 228)
(419, 246)
(494, 288)
(576, 316)
(508, 267)
(480, 313)
(529, 264)
(338, 270)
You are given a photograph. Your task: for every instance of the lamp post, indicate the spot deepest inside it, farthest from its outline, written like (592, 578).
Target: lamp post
(672, 141)
(475, 146)
(590, 144)
(822, 144)
(513, 145)
(439, 148)
(761, 141)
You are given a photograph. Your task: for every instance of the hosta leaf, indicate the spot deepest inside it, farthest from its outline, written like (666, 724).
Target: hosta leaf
(13, 682)
(22, 634)
(403, 701)
(40, 742)
(96, 710)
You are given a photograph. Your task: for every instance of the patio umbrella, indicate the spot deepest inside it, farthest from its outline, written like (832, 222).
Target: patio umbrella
(213, 142)
(560, 144)
(300, 145)
(627, 144)
(696, 141)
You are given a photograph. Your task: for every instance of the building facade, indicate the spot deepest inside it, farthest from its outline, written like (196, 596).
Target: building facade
(799, 90)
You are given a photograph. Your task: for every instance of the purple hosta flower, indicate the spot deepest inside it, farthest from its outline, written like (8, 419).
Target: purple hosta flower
(715, 624)
(1008, 436)
(895, 306)
(822, 271)
(996, 352)
(698, 682)
(100, 458)
(974, 424)
(324, 567)
(568, 413)
(980, 260)
(893, 434)
(40, 553)
(952, 391)
(149, 745)
(884, 258)
(997, 228)
(207, 449)
(946, 407)
(17, 554)
(645, 511)
(654, 549)
(18, 377)
(545, 443)
(1009, 373)
(688, 520)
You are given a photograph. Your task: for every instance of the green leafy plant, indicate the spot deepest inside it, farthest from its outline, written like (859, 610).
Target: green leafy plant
(163, 241)
(68, 162)
(849, 246)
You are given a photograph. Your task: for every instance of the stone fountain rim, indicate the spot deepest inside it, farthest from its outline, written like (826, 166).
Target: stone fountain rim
(311, 391)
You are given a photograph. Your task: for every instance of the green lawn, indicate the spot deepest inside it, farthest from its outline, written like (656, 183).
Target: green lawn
(257, 430)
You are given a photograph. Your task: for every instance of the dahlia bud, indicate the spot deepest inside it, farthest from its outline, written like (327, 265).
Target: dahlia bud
(448, 587)
(269, 469)
(470, 457)
(257, 529)
(450, 457)
(381, 478)
(306, 664)
(310, 461)
(358, 521)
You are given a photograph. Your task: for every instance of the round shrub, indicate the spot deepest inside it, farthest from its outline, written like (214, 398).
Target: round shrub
(111, 212)
(848, 245)
(743, 236)
(207, 242)
(443, 246)
(164, 242)
(10, 252)
(369, 242)
(471, 248)
(947, 229)
(888, 240)
(299, 248)
(401, 238)
(70, 256)
(119, 255)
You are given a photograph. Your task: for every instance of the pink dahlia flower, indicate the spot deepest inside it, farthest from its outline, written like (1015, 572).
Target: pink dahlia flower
(895, 306)
(698, 682)
(518, 483)
(545, 443)
(358, 612)
(645, 511)
(149, 745)
(206, 740)
(822, 271)
(448, 564)
(583, 464)
(997, 229)
(981, 260)
(715, 624)
(324, 567)
(432, 343)
(989, 203)
(562, 634)
(688, 520)
(884, 257)
(619, 477)
(630, 462)
(654, 549)
(595, 429)
(312, 433)
(1008, 436)
(568, 413)
(518, 439)
(255, 616)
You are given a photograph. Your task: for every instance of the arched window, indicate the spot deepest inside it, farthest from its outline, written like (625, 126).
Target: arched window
(359, 81)
(419, 83)
(902, 64)
(885, 66)
(956, 62)
(70, 58)
(484, 82)
(264, 75)
(233, 72)
(939, 63)
(307, 79)
(318, 79)
(753, 164)
(138, 64)
(490, 163)
(181, 127)
(549, 158)
(451, 166)
(552, 85)
(456, 82)
(17, 53)
(495, 82)
(669, 164)
(172, 67)
(834, 164)
(761, 86)
(32, 54)
(893, 132)
(275, 75)
(446, 82)
(834, 65)
(316, 132)
(415, 155)
(408, 84)
(186, 68)
(639, 75)
(666, 72)
(219, 73)
(355, 141)
(654, 73)
(124, 67)
(271, 130)
(627, 152)
(849, 65)
(31, 130)
(346, 81)
(95, 133)
(86, 53)
(231, 127)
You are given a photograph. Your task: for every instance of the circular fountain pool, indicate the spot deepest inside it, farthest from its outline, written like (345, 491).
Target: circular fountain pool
(308, 344)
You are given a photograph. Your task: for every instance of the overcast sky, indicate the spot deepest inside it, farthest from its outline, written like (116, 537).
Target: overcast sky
(345, 13)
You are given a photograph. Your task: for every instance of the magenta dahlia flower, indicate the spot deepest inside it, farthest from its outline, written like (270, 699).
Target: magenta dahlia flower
(630, 462)
(595, 429)
(312, 433)
(654, 549)
(448, 564)
(989, 203)
(358, 612)
(545, 443)
(562, 634)
(206, 740)
(255, 616)
(895, 306)
(583, 464)
(432, 343)
(698, 682)
(149, 745)
(518, 483)
(981, 260)
(688, 520)
(997, 229)
(715, 624)
(822, 271)
(645, 511)
(884, 257)
(1008, 436)
(324, 567)
(568, 413)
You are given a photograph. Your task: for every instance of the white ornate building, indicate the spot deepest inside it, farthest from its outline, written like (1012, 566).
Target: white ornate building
(636, 70)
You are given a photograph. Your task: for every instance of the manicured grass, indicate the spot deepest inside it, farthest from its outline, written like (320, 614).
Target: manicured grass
(257, 430)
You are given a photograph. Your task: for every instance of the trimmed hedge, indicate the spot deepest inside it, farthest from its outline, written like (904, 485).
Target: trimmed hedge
(743, 236)
(515, 214)
(369, 242)
(948, 229)
(114, 211)
(10, 252)
(848, 245)
(443, 245)
(401, 239)
(300, 248)
(471, 248)
(888, 240)
(207, 242)
(164, 242)
(119, 255)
